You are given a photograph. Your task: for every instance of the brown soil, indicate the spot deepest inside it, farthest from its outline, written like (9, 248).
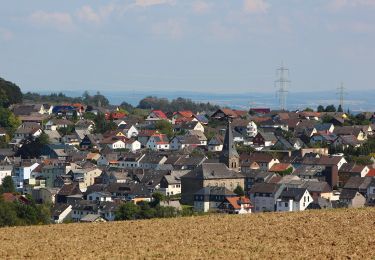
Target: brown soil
(311, 234)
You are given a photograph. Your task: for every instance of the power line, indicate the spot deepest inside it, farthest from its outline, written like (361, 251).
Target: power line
(282, 83)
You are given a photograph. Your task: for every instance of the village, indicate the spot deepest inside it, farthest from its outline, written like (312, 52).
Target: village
(183, 162)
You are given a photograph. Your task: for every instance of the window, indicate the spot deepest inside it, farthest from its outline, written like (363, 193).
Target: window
(286, 204)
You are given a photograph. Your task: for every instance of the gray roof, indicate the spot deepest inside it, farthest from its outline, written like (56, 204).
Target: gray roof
(215, 191)
(264, 188)
(208, 171)
(292, 193)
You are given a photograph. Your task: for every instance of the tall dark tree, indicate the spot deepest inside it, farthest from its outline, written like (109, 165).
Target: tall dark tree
(8, 185)
(330, 108)
(320, 108)
(339, 109)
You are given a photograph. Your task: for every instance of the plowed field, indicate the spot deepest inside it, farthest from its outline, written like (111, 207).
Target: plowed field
(314, 234)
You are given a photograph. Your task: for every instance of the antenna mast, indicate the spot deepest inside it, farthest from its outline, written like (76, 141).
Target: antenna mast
(282, 83)
(341, 93)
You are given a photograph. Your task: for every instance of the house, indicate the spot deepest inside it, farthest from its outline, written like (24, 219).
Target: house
(156, 115)
(308, 172)
(132, 145)
(113, 143)
(61, 213)
(130, 131)
(67, 190)
(152, 161)
(264, 196)
(183, 116)
(144, 136)
(5, 170)
(115, 115)
(263, 160)
(318, 189)
(359, 134)
(325, 128)
(349, 170)
(236, 205)
(91, 218)
(22, 172)
(260, 111)
(85, 124)
(224, 113)
(200, 135)
(293, 199)
(247, 128)
(130, 160)
(360, 184)
(99, 196)
(352, 198)
(264, 139)
(282, 168)
(170, 184)
(85, 177)
(322, 138)
(216, 143)
(158, 142)
(346, 141)
(209, 198)
(180, 142)
(192, 125)
(55, 123)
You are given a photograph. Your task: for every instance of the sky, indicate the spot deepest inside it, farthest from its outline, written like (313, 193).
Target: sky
(230, 46)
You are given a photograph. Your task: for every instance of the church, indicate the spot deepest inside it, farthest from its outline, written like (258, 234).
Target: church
(225, 173)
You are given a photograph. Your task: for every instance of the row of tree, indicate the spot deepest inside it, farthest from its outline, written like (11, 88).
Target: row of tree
(177, 104)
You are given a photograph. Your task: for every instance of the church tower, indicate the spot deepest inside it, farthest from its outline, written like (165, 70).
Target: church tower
(229, 155)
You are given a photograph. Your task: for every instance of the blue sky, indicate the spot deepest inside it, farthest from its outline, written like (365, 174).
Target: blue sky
(197, 45)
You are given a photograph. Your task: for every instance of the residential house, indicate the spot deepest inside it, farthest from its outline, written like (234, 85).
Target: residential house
(156, 115)
(56, 123)
(352, 198)
(264, 195)
(236, 205)
(209, 198)
(158, 142)
(170, 183)
(293, 199)
(264, 139)
(216, 143)
(61, 213)
(349, 170)
(180, 142)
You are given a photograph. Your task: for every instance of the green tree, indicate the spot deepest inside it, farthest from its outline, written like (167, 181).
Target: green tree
(330, 108)
(8, 214)
(165, 127)
(339, 109)
(127, 211)
(7, 185)
(239, 191)
(308, 109)
(157, 198)
(44, 139)
(8, 120)
(320, 109)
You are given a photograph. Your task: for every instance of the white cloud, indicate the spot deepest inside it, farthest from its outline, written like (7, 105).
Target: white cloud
(201, 7)
(5, 34)
(89, 15)
(256, 6)
(60, 21)
(172, 28)
(147, 3)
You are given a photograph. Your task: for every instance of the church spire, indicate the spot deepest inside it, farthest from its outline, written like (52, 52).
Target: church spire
(229, 155)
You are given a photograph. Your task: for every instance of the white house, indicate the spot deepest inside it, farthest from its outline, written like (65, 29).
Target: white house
(293, 199)
(252, 129)
(5, 170)
(61, 212)
(114, 143)
(22, 173)
(158, 142)
(99, 196)
(132, 145)
(130, 131)
(215, 144)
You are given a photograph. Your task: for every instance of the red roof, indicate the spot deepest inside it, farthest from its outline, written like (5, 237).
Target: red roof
(280, 167)
(371, 173)
(261, 110)
(10, 197)
(160, 114)
(115, 115)
(185, 113)
(237, 201)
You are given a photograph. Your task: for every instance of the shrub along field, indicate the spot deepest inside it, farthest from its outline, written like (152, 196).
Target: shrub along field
(311, 234)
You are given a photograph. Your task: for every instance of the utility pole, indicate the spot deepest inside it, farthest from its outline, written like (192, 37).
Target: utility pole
(341, 93)
(282, 83)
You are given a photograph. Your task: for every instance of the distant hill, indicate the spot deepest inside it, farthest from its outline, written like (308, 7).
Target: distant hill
(10, 93)
(333, 234)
